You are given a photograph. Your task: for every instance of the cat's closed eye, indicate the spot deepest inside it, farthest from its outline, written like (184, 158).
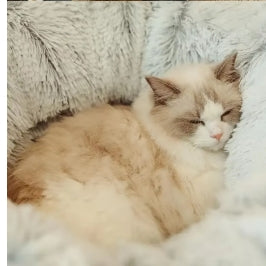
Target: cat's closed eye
(225, 114)
(197, 122)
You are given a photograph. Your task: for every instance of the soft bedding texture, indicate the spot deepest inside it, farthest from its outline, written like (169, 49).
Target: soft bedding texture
(64, 56)
(68, 56)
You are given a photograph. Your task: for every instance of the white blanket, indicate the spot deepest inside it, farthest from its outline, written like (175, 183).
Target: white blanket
(234, 234)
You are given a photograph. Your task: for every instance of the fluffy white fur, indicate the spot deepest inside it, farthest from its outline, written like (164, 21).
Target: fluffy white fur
(235, 234)
(44, 242)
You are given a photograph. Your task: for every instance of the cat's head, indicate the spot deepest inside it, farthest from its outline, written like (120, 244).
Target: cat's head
(200, 102)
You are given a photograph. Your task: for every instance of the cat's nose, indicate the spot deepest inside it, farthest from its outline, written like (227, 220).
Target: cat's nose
(217, 136)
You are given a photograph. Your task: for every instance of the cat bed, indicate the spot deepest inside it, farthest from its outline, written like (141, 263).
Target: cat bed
(65, 56)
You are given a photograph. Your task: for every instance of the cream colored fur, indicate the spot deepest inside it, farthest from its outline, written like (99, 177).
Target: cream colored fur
(114, 174)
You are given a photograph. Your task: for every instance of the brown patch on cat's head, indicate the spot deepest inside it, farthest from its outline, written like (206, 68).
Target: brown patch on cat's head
(163, 90)
(230, 97)
(226, 70)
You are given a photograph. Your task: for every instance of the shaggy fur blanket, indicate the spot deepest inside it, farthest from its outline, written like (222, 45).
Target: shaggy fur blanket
(66, 56)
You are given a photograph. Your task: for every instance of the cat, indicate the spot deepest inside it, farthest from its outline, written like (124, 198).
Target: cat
(136, 173)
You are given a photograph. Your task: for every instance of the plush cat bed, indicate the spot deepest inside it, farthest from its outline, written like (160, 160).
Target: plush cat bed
(66, 56)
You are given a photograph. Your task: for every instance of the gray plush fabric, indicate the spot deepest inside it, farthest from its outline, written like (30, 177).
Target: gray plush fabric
(42, 83)
(68, 56)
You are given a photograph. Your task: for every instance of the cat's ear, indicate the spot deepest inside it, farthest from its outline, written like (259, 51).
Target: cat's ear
(226, 70)
(163, 90)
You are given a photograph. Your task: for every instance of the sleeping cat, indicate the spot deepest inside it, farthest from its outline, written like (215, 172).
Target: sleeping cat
(140, 173)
